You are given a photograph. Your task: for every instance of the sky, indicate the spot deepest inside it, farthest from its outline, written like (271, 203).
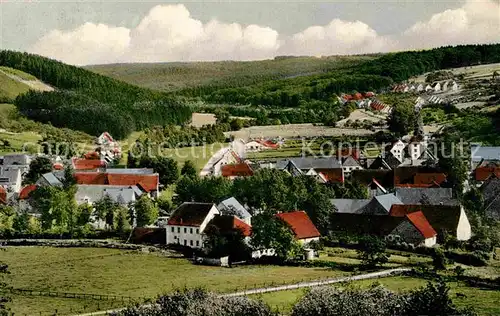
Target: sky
(83, 32)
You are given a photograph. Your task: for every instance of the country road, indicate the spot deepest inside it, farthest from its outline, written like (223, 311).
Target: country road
(308, 284)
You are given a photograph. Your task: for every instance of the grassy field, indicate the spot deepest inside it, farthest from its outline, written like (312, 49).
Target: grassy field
(10, 88)
(138, 275)
(175, 76)
(484, 301)
(18, 73)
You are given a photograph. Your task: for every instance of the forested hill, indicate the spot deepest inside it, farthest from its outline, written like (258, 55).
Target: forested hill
(371, 75)
(88, 101)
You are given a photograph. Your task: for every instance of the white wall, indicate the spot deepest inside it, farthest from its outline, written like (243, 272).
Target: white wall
(430, 242)
(190, 236)
(398, 150)
(464, 230)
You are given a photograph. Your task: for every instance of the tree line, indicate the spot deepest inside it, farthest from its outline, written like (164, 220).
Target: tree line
(90, 102)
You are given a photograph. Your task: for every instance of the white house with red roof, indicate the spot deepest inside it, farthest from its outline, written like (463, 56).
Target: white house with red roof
(301, 225)
(415, 230)
(186, 225)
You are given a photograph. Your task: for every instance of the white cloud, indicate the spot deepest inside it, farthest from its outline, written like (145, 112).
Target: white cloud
(170, 33)
(475, 22)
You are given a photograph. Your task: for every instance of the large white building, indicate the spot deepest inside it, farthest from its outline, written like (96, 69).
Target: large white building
(186, 225)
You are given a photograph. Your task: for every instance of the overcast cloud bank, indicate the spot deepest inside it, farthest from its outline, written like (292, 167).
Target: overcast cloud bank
(169, 33)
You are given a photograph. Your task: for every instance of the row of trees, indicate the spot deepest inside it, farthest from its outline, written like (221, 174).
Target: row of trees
(267, 190)
(171, 136)
(433, 299)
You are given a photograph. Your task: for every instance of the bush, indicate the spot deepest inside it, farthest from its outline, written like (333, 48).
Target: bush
(475, 258)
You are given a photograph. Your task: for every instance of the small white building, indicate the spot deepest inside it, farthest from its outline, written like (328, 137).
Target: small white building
(420, 88)
(187, 223)
(437, 87)
(397, 150)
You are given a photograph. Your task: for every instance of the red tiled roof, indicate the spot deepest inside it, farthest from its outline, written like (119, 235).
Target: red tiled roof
(268, 144)
(88, 164)
(3, 195)
(241, 225)
(58, 166)
(347, 97)
(357, 96)
(300, 223)
(369, 94)
(25, 192)
(237, 170)
(429, 178)
(420, 222)
(484, 173)
(148, 182)
(91, 155)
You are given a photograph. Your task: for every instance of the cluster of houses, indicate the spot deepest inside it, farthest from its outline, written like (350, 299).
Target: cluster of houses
(485, 170)
(437, 87)
(188, 224)
(366, 100)
(94, 179)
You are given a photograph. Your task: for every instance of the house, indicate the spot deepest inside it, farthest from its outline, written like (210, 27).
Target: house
(108, 148)
(350, 164)
(15, 159)
(428, 88)
(445, 219)
(231, 206)
(437, 87)
(418, 176)
(381, 204)
(330, 167)
(144, 179)
(481, 154)
(416, 147)
(301, 226)
(415, 230)
(23, 199)
(253, 146)
(491, 197)
(11, 179)
(431, 196)
(349, 206)
(320, 177)
(227, 223)
(187, 223)
(376, 181)
(121, 194)
(397, 150)
(229, 157)
(232, 171)
(454, 86)
(54, 178)
(80, 164)
(420, 88)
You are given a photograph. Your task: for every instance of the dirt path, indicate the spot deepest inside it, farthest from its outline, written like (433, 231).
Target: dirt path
(366, 276)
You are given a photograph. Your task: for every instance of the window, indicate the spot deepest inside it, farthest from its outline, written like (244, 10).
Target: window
(197, 230)
(185, 230)
(173, 229)
(185, 242)
(178, 230)
(191, 243)
(175, 237)
(190, 230)
(197, 243)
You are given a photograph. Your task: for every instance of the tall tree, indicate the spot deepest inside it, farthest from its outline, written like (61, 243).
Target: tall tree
(270, 232)
(105, 210)
(402, 118)
(189, 169)
(38, 167)
(146, 211)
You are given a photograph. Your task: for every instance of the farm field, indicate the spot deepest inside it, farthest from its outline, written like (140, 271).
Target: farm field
(295, 130)
(175, 76)
(125, 273)
(484, 301)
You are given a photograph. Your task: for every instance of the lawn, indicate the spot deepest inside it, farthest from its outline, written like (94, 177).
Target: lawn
(132, 274)
(10, 88)
(484, 301)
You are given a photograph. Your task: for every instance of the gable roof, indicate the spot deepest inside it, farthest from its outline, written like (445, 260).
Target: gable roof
(429, 178)
(227, 223)
(484, 173)
(441, 217)
(121, 194)
(88, 164)
(366, 177)
(306, 163)
(350, 162)
(479, 153)
(267, 143)
(421, 224)
(350, 206)
(190, 214)
(237, 170)
(300, 223)
(53, 178)
(232, 205)
(148, 182)
(360, 224)
(387, 201)
(25, 192)
(432, 196)
(491, 195)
